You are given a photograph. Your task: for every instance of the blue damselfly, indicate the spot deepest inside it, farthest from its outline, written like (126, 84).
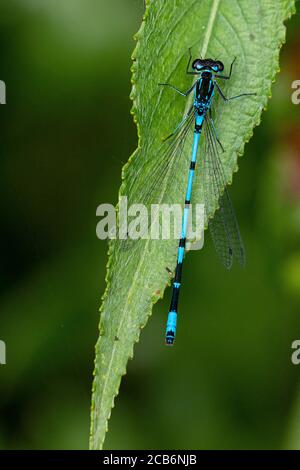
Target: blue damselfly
(223, 227)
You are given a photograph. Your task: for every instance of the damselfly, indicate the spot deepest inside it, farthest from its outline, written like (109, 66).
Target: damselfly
(223, 227)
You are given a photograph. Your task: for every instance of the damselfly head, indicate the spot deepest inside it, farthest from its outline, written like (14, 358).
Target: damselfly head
(214, 65)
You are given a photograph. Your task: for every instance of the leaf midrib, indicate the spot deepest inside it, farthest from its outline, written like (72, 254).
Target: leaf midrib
(207, 36)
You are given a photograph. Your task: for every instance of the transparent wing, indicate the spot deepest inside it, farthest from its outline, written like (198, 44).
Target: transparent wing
(159, 173)
(223, 227)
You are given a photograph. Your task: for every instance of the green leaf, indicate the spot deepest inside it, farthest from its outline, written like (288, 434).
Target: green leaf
(253, 31)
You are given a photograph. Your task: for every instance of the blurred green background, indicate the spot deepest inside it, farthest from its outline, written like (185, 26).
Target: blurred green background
(66, 64)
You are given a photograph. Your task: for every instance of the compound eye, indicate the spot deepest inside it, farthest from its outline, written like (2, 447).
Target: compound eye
(220, 66)
(197, 64)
